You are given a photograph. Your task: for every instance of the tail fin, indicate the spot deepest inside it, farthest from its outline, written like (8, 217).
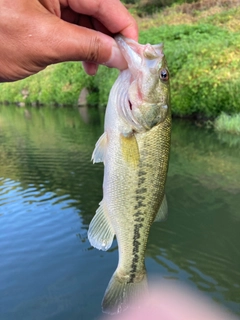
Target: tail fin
(120, 293)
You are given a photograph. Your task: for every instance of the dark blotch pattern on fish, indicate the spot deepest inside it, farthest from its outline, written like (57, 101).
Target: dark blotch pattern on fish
(140, 191)
(138, 223)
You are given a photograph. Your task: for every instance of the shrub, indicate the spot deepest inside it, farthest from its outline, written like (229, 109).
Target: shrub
(204, 63)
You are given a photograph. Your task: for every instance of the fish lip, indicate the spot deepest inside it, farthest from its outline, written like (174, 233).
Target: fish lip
(128, 48)
(122, 41)
(140, 56)
(132, 49)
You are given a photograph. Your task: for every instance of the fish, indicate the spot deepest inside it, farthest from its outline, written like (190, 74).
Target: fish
(135, 149)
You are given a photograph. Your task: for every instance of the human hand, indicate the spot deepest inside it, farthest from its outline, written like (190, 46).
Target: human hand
(35, 34)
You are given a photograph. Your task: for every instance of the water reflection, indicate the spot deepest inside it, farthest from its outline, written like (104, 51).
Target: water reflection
(229, 139)
(49, 191)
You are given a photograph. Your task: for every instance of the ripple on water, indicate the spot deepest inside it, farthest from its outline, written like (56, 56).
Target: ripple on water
(49, 191)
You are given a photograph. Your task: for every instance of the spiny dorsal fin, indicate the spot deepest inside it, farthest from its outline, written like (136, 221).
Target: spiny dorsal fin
(100, 147)
(163, 211)
(100, 232)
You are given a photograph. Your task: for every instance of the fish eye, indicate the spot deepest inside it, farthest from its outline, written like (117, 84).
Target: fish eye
(164, 76)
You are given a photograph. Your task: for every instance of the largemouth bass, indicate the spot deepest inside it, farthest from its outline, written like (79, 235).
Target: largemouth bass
(135, 151)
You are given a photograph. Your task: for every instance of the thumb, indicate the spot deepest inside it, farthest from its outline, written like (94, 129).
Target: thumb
(71, 42)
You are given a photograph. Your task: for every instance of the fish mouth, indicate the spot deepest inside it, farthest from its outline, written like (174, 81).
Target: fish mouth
(138, 55)
(138, 107)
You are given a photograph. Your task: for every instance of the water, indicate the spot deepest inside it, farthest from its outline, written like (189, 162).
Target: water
(49, 191)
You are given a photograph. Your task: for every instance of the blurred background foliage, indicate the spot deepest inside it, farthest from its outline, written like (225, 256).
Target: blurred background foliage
(202, 46)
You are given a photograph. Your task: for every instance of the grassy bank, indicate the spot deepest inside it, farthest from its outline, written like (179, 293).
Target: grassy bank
(226, 123)
(202, 46)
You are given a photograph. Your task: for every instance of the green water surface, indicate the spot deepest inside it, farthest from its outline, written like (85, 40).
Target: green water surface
(49, 191)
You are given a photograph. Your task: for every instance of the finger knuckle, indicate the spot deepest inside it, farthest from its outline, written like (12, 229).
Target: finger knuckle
(94, 50)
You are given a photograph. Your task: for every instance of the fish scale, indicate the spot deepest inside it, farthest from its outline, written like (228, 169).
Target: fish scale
(135, 150)
(146, 199)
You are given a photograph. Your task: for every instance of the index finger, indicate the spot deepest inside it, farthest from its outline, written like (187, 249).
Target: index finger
(111, 13)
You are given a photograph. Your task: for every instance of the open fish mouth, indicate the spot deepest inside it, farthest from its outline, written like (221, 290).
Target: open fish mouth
(138, 55)
(141, 105)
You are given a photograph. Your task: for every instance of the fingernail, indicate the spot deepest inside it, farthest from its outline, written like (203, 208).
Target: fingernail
(116, 59)
(90, 68)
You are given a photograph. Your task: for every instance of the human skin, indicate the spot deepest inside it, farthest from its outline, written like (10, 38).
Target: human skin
(169, 301)
(35, 34)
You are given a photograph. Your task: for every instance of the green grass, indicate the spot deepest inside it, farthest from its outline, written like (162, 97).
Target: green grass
(228, 123)
(203, 56)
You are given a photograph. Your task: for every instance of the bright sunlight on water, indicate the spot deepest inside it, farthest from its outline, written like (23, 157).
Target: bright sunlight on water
(49, 191)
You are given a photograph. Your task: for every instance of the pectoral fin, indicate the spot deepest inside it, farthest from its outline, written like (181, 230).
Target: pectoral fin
(163, 211)
(130, 151)
(100, 148)
(100, 232)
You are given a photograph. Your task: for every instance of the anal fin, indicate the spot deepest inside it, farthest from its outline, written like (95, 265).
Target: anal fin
(100, 232)
(163, 211)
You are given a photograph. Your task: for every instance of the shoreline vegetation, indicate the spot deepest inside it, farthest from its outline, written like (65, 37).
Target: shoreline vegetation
(202, 45)
(227, 123)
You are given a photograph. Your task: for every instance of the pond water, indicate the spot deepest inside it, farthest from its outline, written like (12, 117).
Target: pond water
(49, 191)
